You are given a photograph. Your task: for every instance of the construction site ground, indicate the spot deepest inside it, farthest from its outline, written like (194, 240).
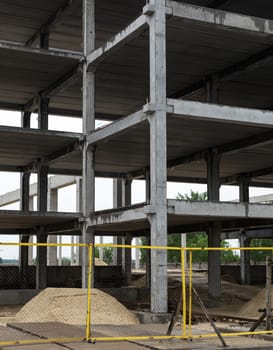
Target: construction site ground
(36, 331)
(238, 308)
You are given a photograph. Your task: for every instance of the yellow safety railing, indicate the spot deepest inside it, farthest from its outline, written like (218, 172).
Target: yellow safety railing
(186, 293)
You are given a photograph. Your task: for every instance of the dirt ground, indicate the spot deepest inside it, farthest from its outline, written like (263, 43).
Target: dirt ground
(233, 299)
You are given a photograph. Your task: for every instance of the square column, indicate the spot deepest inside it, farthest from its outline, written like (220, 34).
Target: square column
(158, 157)
(88, 172)
(41, 267)
(52, 259)
(214, 257)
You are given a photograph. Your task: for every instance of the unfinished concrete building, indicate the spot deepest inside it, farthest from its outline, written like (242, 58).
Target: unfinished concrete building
(188, 87)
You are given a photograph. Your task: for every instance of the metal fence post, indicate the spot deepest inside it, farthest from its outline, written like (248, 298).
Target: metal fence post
(89, 285)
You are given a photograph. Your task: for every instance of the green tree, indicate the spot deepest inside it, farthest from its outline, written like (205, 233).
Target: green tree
(107, 254)
(260, 255)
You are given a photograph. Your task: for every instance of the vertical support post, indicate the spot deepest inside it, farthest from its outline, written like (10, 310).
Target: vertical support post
(244, 189)
(245, 260)
(44, 39)
(78, 210)
(43, 113)
(24, 200)
(42, 169)
(212, 89)
(148, 187)
(214, 231)
(41, 267)
(30, 248)
(117, 203)
(52, 259)
(42, 188)
(88, 175)
(268, 293)
(25, 119)
(158, 157)
(137, 254)
(24, 206)
(127, 265)
(23, 261)
(148, 264)
(244, 242)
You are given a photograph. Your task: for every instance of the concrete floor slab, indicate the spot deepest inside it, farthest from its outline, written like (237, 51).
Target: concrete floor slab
(34, 347)
(106, 346)
(50, 330)
(9, 334)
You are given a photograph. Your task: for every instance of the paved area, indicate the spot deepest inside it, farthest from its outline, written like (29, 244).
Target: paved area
(38, 331)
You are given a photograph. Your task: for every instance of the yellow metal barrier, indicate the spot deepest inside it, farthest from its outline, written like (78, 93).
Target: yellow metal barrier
(186, 292)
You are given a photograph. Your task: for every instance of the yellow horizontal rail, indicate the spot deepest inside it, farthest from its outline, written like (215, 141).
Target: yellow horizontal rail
(110, 245)
(169, 337)
(41, 341)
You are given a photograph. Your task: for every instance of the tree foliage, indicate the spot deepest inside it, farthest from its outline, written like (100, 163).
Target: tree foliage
(107, 254)
(260, 255)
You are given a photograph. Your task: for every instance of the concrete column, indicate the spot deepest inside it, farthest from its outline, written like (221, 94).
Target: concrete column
(24, 206)
(244, 189)
(148, 264)
(212, 89)
(42, 169)
(43, 113)
(118, 202)
(78, 210)
(88, 175)
(244, 241)
(127, 264)
(214, 257)
(25, 119)
(60, 249)
(41, 267)
(23, 261)
(24, 200)
(101, 248)
(245, 261)
(214, 264)
(44, 39)
(52, 259)
(137, 253)
(158, 157)
(148, 187)
(30, 248)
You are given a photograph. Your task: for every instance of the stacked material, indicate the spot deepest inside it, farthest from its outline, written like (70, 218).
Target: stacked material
(69, 305)
(250, 309)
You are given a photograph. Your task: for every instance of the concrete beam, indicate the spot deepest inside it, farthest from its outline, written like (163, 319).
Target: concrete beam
(9, 45)
(234, 179)
(220, 113)
(129, 33)
(224, 19)
(117, 217)
(221, 210)
(115, 128)
(54, 20)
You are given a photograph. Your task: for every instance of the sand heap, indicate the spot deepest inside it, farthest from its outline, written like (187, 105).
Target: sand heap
(250, 309)
(68, 305)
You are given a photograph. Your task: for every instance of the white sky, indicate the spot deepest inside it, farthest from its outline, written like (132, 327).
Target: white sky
(104, 197)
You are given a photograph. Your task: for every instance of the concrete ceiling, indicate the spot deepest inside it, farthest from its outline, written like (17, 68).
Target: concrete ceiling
(195, 50)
